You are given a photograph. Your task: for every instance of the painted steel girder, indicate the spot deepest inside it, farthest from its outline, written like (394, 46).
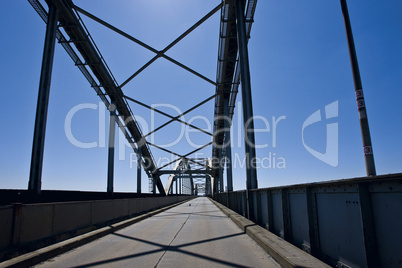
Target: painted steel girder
(227, 77)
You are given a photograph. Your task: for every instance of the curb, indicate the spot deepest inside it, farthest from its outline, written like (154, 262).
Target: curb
(48, 252)
(286, 254)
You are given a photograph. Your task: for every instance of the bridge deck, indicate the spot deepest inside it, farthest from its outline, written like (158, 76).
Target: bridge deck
(194, 234)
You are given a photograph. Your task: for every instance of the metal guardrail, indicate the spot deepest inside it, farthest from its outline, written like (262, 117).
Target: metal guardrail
(345, 223)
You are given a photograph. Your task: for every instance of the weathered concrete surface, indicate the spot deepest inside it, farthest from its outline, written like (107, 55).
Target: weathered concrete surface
(193, 234)
(283, 252)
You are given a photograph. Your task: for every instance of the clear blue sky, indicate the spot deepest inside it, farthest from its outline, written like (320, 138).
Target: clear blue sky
(299, 64)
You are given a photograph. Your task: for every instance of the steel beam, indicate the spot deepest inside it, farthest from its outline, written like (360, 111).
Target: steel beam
(189, 172)
(270, 211)
(220, 154)
(286, 217)
(215, 185)
(110, 163)
(180, 184)
(208, 186)
(35, 176)
(189, 176)
(228, 69)
(247, 104)
(154, 186)
(312, 213)
(246, 97)
(368, 226)
(228, 146)
(361, 105)
(138, 170)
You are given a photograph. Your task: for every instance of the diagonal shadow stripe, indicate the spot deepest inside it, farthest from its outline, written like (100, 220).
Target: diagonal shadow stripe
(172, 214)
(231, 264)
(182, 245)
(92, 264)
(164, 248)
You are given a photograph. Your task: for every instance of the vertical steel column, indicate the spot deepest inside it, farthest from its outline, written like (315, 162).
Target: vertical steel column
(368, 226)
(154, 185)
(17, 222)
(180, 183)
(247, 105)
(208, 185)
(110, 165)
(259, 208)
(228, 146)
(286, 217)
(154, 182)
(215, 185)
(192, 185)
(312, 213)
(361, 106)
(220, 155)
(35, 175)
(270, 211)
(138, 170)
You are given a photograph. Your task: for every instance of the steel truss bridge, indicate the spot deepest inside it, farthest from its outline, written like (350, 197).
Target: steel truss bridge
(65, 24)
(345, 223)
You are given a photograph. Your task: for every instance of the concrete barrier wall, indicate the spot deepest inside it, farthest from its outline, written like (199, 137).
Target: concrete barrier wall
(346, 223)
(81, 212)
(36, 222)
(6, 226)
(25, 224)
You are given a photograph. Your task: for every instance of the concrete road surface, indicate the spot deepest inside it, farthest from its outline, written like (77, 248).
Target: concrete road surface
(194, 234)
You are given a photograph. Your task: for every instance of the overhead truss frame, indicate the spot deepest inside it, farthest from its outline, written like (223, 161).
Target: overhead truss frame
(93, 66)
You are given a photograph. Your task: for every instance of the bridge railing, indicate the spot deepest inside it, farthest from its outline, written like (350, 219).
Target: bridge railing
(346, 223)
